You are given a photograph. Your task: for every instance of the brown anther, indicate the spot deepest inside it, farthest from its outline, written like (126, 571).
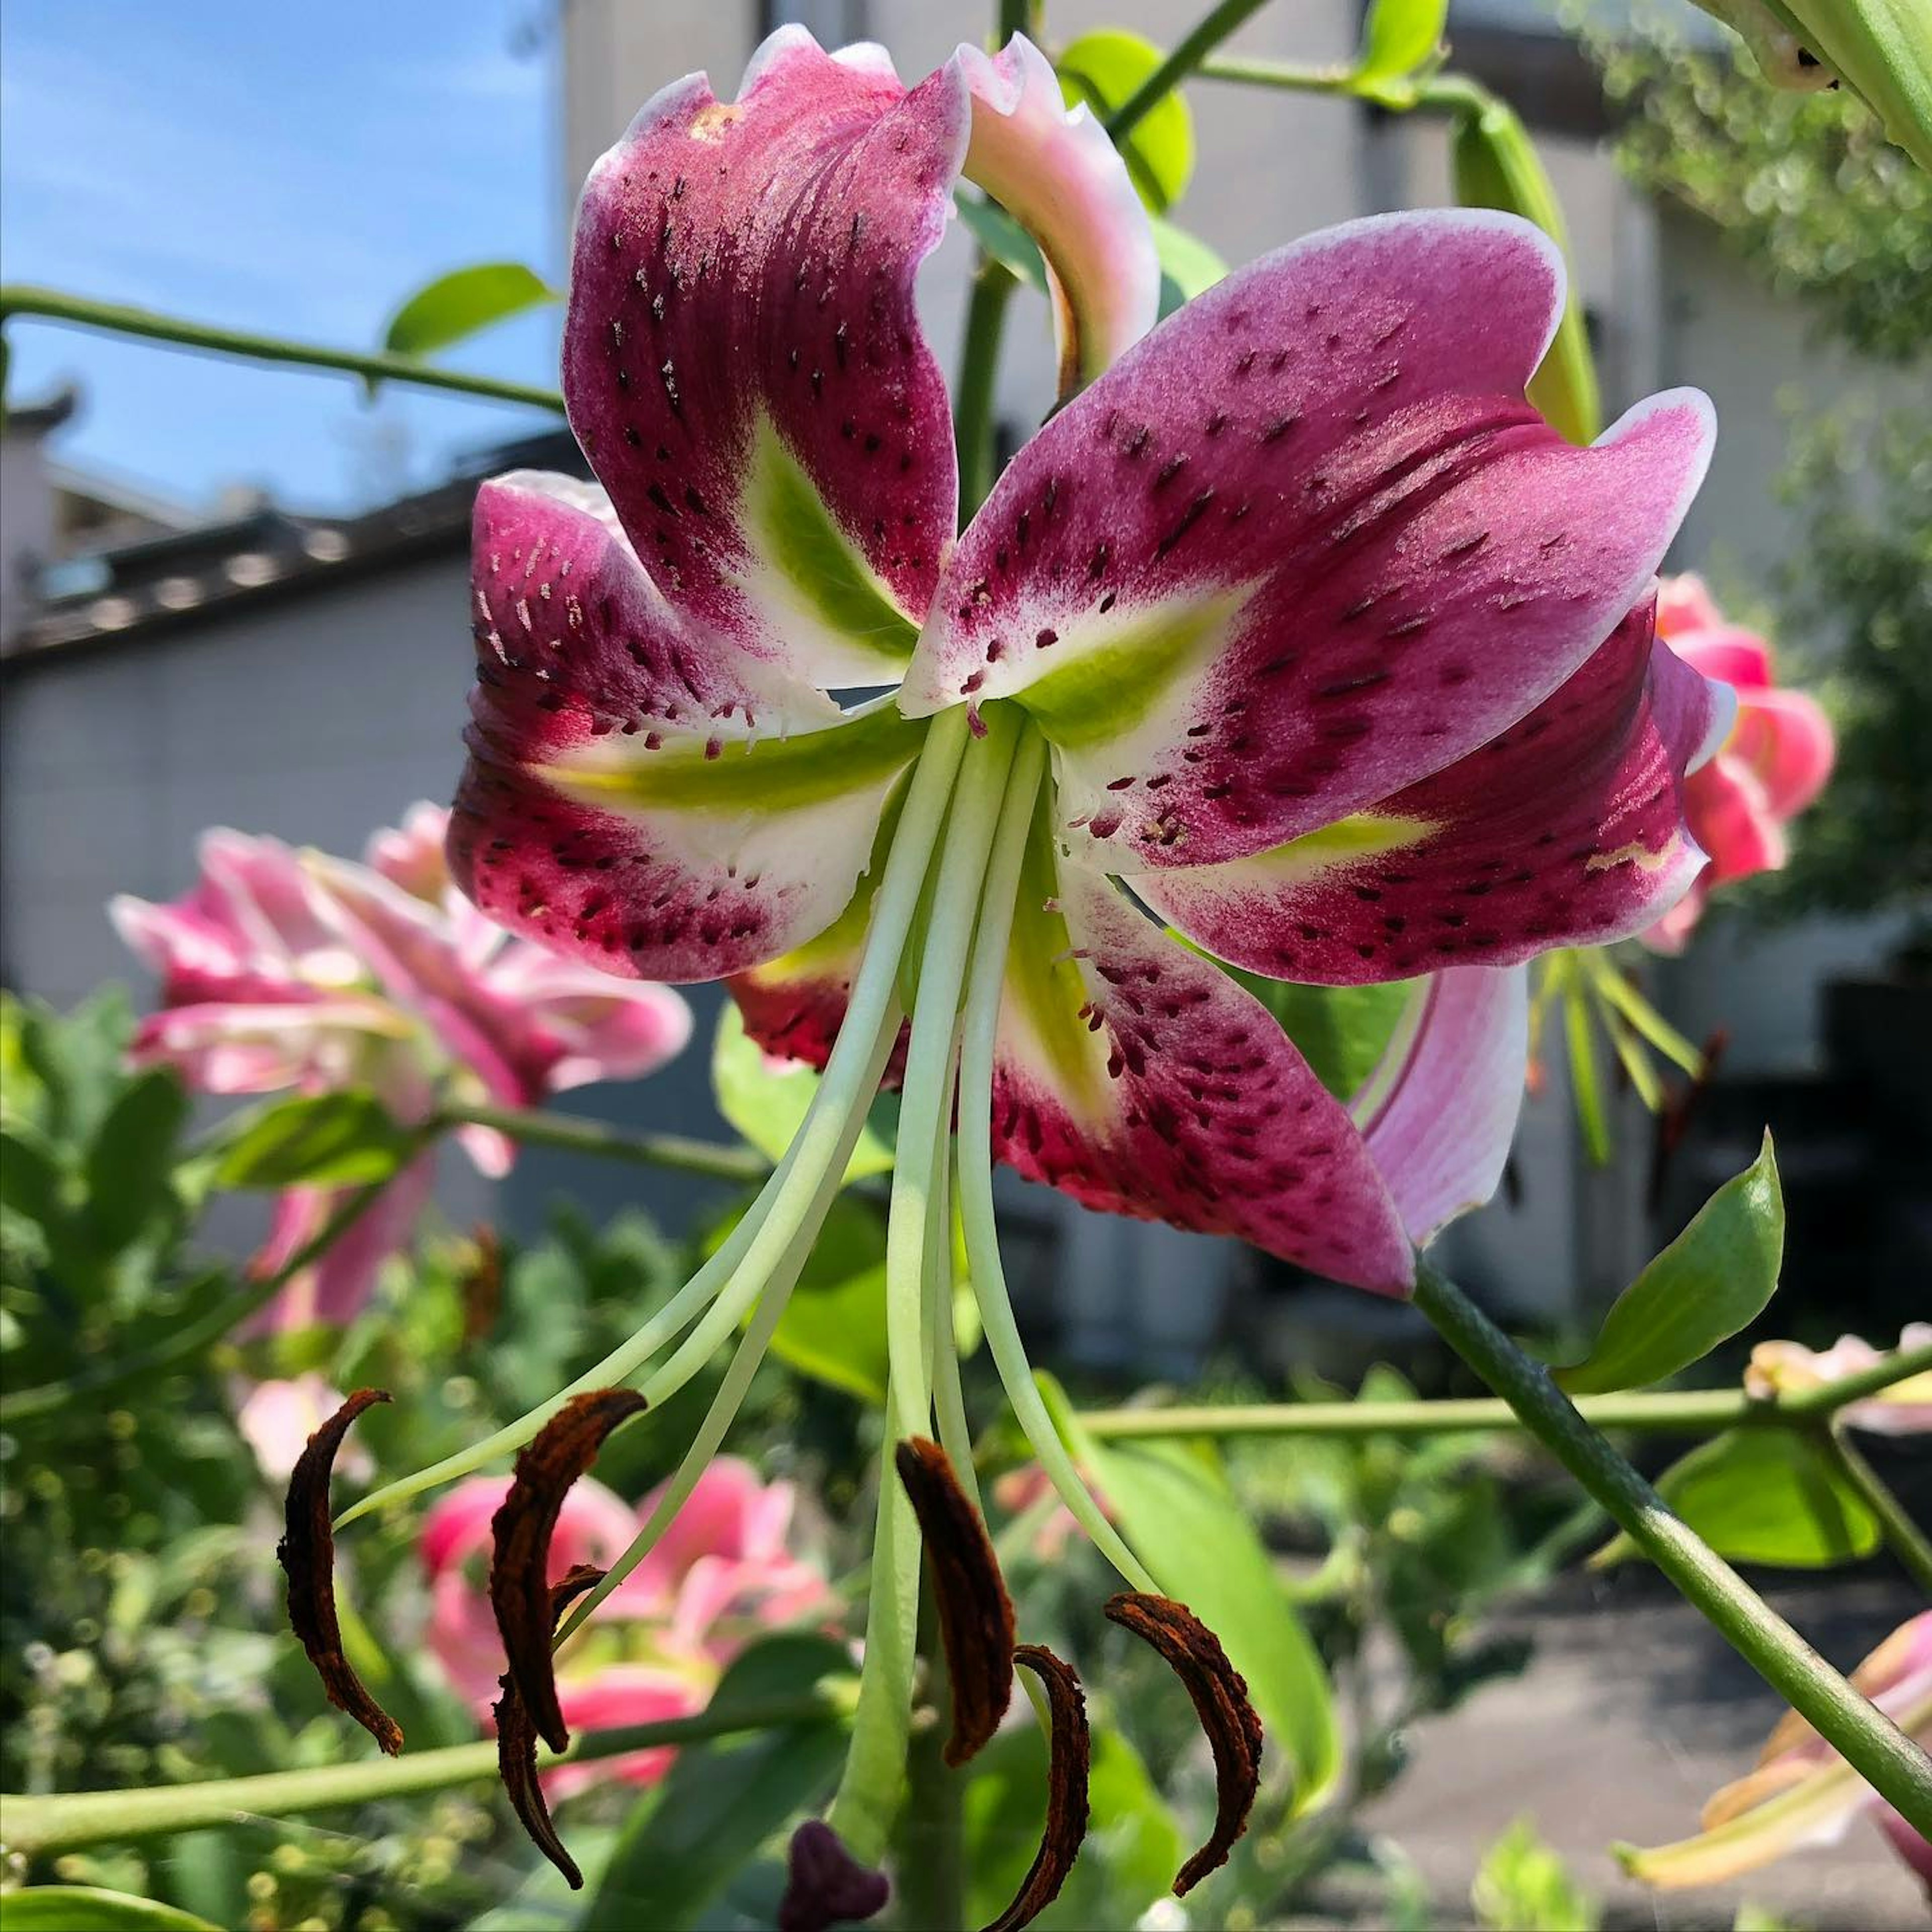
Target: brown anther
(825, 1885)
(1069, 1759)
(564, 1448)
(976, 1617)
(1193, 1652)
(517, 1739)
(306, 1552)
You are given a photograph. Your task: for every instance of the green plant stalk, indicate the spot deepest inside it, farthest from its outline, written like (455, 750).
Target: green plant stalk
(1904, 1537)
(680, 1152)
(1700, 1412)
(1875, 1747)
(1020, 17)
(1207, 34)
(930, 1869)
(186, 1342)
(993, 287)
(44, 1827)
(1247, 72)
(20, 298)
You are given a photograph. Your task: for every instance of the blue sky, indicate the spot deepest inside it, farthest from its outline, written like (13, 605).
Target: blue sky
(289, 169)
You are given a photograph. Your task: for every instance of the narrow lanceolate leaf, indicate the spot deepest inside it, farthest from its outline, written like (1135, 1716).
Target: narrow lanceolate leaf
(460, 304)
(340, 1139)
(307, 1552)
(1713, 1281)
(976, 1616)
(1068, 1765)
(1193, 1652)
(517, 1739)
(520, 1590)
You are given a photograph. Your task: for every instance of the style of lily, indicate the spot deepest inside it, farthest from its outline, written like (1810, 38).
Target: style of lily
(725, 1573)
(1295, 628)
(1773, 763)
(1802, 1792)
(282, 969)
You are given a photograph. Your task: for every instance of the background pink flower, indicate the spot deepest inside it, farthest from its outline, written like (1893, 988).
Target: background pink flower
(723, 1572)
(281, 969)
(1773, 763)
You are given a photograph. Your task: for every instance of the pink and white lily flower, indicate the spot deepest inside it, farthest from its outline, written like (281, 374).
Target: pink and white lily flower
(728, 1574)
(1773, 762)
(282, 969)
(1802, 1792)
(1903, 1407)
(1296, 642)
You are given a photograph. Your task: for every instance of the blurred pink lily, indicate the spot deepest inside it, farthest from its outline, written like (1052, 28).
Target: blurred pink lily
(277, 1417)
(724, 1573)
(1772, 764)
(1788, 1368)
(287, 970)
(1802, 1792)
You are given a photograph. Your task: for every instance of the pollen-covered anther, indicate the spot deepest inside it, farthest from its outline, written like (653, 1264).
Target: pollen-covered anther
(1069, 1767)
(976, 1616)
(1221, 1701)
(307, 1552)
(563, 1449)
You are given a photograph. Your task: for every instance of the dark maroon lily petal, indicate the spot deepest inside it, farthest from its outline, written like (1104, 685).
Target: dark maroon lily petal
(517, 1739)
(825, 1885)
(1137, 1077)
(1307, 544)
(1193, 1652)
(976, 1616)
(307, 1552)
(1568, 830)
(650, 799)
(1068, 1764)
(519, 1590)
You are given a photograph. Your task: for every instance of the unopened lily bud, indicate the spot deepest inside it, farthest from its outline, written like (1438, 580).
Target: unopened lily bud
(1495, 164)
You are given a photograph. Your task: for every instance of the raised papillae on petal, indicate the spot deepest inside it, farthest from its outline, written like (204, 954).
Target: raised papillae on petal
(1567, 829)
(1137, 1077)
(641, 794)
(1307, 544)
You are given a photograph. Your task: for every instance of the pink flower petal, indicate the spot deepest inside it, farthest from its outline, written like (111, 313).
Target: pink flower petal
(1306, 544)
(1139, 1078)
(638, 797)
(1684, 604)
(410, 856)
(618, 1695)
(1568, 829)
(1788, 742)
(1729, 655)
(1730, 816)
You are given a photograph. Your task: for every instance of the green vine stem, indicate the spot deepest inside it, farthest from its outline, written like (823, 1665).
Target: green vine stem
(1875, 1747)
(42, 1827)
(1209, 32)
(1689, 1410)
(1904, 1537)
(572, 1133)
(20, 298)
(993, 287)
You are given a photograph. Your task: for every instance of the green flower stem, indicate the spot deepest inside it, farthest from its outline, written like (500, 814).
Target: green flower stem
(993, 287)
(1689, 1412)
(530, 1127)
(1882, 1754)
(1019, 17)
(44, 1827)
(1207, 34)
(190, 1339)
(1279, 74)
(985, 982)
(870, 1789)
(929, 1869)
(1905, 1540)
(18, 298)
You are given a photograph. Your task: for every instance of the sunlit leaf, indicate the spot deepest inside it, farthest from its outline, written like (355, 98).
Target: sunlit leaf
(336, 1140)
(128, 1165)
(1341, 1031)
(1397, 38)
(1764, 1496)
(1105, 69)
(462, 304)
(86, 1908)
(1714, 1280)
(1188, 266)
(834, 1326)
(766, 1100)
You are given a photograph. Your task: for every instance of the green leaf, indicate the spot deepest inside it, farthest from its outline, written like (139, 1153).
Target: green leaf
(769, 1106)
(1714, 1280)
(1341, 1031)
(1188, 266)
(86, 1908)
(1133, 1846)
(460, 304)
(1398, 36)
(31, 1183)
(345, 1139)
(1174, 1508)
(1002, 237)
(721, 1802)
(1105, 70)
(129, 1166)
(834, 1326)
(1764, 1496)
(1522, 1885)
(1586, 1082)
